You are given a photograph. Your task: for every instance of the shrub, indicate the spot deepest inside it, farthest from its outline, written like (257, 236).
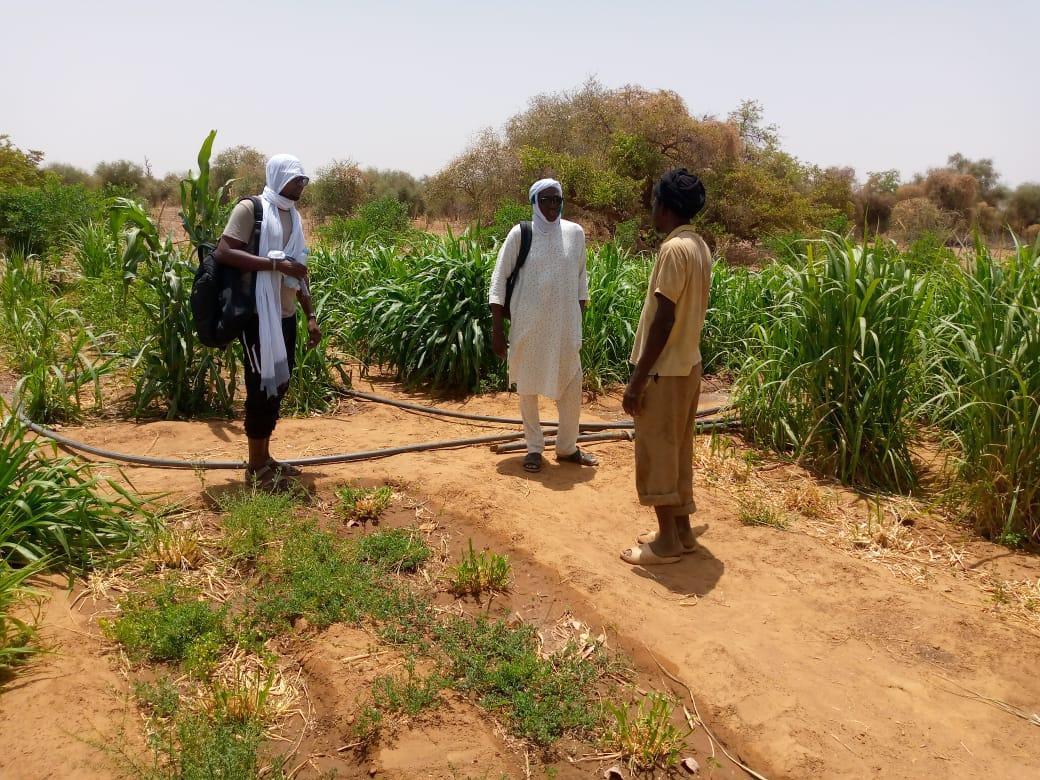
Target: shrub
(508, 215)
(37, 220)
(382, 220)
(122, 175)
(246, 165)
(830, 375)
(912, 219)
(336, 189)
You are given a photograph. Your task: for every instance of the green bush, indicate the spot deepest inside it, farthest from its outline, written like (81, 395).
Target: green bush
(383, 220)
(38, 220)
(508, 214)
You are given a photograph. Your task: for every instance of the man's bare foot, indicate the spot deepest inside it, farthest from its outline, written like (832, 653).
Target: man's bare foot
(686, 537)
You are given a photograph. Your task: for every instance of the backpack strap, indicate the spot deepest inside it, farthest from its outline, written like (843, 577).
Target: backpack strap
(258, 223)
(526, 233)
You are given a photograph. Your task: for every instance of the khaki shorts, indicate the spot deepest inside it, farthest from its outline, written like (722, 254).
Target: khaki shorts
(664, 442)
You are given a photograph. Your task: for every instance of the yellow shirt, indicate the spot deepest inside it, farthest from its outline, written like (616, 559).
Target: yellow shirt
(682, 274)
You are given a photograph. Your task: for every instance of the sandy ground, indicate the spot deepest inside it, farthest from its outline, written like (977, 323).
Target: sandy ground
(808, 659)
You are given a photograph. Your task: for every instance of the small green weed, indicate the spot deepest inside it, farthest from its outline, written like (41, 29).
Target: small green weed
(251, 519)
(399, 549)
(540, 698)
(478, 573)
(359, 505)
(320, 577)
(755, 511)
(172, 624)
(161, 698)
(410, 694)
(644, 735)
(366, 727)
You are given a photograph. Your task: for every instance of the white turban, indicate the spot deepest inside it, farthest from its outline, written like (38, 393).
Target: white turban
(544, 225)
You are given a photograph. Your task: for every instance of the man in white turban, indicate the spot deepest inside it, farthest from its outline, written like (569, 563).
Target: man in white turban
(278, 259)
(549, 294)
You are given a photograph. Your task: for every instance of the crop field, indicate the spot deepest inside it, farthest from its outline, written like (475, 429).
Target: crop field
(865, 601)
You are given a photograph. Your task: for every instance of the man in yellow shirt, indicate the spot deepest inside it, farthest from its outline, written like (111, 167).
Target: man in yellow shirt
(662, 394)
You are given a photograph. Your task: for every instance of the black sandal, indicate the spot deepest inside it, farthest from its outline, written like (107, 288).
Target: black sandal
(580, 457)
(267, 477)
(533, 462)
(286, 469)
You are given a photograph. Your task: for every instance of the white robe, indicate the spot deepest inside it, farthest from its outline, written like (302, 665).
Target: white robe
(545, 329)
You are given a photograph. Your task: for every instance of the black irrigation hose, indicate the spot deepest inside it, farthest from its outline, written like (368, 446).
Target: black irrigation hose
(585, 426)
(177, 463)
(348, 457)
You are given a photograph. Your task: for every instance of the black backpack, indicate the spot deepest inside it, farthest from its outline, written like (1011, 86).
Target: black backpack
(223, 299)
(526, 234)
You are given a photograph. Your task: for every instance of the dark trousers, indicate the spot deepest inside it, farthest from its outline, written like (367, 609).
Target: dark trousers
(261, 411)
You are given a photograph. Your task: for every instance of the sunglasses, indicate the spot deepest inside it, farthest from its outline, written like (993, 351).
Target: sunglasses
(551, 200)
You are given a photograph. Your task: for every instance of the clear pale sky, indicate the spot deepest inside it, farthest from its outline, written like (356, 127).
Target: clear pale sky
(877, 85)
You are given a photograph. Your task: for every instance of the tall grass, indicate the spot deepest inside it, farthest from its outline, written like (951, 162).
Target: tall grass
(740, 301)
(54, 508)
(986, 363)
(54, 352)
(617, 287)
(830, 376)
(94, 249)
(430, 325)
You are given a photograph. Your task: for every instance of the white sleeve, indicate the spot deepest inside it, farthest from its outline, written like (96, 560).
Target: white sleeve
(583, 270)
(507, 257)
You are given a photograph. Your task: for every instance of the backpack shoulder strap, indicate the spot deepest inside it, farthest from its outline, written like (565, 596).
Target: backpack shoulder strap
(258, 222)
(526, 234)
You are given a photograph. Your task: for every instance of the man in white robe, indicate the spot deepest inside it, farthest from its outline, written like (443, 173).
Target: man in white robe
(548, 298)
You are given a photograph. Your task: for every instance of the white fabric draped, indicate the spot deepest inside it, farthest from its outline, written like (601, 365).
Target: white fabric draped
(274, 363)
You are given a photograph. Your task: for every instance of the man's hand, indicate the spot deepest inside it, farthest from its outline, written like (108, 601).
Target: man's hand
(314, 337)
(499, 345)
(290, 268)
(632, 402)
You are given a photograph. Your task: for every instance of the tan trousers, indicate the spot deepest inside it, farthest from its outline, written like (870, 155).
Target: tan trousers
(664, 442)
(568, 408)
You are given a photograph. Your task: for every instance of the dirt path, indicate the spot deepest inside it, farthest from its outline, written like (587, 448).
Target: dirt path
(810, 660)
(69, 714)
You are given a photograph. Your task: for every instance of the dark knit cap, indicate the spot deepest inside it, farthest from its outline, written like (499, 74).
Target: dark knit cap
(682, 192)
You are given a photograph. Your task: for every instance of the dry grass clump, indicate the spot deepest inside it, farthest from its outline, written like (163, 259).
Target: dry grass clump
(359, 505)
(808, 500)
(176, 549)
(758, 509)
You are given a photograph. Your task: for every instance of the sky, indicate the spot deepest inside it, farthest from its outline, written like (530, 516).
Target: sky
(408, 84)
